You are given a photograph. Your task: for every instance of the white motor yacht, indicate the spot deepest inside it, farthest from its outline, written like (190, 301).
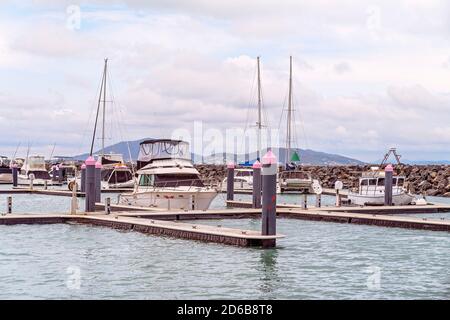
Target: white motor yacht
(167, 179)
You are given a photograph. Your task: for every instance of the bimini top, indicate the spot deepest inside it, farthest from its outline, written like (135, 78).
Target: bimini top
(163, 149)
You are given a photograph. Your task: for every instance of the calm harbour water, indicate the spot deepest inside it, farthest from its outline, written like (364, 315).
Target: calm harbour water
(316, 260)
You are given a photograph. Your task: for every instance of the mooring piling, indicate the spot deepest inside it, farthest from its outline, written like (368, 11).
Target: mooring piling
(54, 174)
(318, 200)
(90, 185)
(304, 201)
(108, 205)
(9, 204)
(60, 174)
(31, 176)
(98, 181)
(256, 203)
(15, 175)
(388, 176)
(230, 181)
(269, 194)
(83, 178)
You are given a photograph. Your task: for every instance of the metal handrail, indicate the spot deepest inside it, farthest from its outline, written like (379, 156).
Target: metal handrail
(173, 184)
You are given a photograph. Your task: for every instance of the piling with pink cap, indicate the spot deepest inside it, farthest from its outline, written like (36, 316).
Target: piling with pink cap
(388, 185)
(269, 196)
(98, 178)
(90, 184)
(230, 181)
(83, 178)
(257, 182)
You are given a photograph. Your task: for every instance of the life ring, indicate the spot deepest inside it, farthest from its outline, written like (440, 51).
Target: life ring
(70, 185)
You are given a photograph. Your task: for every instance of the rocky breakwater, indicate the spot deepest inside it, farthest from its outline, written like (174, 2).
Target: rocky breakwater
(431, 180)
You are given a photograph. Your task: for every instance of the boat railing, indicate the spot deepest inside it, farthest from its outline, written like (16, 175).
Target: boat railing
(190, 184)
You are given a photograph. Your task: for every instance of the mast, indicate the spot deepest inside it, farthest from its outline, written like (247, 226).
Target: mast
(289, 114)
(102, 87)
(104, 109)
(259, 123)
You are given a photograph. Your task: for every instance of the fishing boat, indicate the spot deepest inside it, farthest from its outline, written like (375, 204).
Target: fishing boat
(34, 169)
(243, 180)
(167, 178)
(370, 190)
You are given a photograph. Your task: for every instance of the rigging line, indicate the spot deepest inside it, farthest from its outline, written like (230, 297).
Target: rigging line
(302, 124)
(85, 130)
(119, 124)
(250, 105)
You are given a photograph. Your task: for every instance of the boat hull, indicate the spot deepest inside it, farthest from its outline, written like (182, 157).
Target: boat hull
(399, 199)
(170, 199)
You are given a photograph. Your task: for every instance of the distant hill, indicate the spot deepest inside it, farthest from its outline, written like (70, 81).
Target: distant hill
(307, 156)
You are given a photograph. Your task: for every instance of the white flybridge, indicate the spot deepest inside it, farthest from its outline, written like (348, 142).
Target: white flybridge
(167, 178)
(34, 169)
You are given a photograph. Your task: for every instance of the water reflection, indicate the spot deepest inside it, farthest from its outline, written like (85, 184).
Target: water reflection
(268, 267)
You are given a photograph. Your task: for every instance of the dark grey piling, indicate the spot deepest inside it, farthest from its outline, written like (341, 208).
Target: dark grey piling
(256, 203)
(9, 204)
(304, 201)
(60, 174)
(388, 175)
(98, 182)
(83, 178)
(318, 200)
(108, 205)
(15, 175)
(230, 181)
(269, 194)
(54, 174)
(90, 185)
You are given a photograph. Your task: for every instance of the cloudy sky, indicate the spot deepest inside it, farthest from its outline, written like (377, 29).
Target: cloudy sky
(367, 75)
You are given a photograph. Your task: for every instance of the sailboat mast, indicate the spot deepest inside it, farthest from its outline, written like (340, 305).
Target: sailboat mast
(98, 109)
(104, 108)
(259, 123)
(289, 114)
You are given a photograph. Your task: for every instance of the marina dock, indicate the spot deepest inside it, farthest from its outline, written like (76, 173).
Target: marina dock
(217, 234)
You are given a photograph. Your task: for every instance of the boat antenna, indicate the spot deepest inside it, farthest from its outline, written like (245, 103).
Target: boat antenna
(289, 114)
(386, 156)
(98, 107)
(53, 150)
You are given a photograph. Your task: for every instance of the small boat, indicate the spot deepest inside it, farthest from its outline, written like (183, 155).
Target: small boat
(5, 170)
(243, 180)
(34, 166)
(371, 190)
(167, 179)
(115, 174)
(295, 180)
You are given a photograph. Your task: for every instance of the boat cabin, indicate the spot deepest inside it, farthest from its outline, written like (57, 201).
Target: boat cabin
(374, 185)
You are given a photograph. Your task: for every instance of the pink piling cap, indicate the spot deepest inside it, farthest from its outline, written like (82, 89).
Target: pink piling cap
(83, 166)
(98, 165)
(230, 165)
(14, 165)
(269, 158)
(388, 168)
(90, 161)
(257, 165)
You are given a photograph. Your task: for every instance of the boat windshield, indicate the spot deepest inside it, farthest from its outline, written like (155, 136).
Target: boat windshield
(119, 176)
(170, 180)
(40, 175)
(294, 175)
(244, 173)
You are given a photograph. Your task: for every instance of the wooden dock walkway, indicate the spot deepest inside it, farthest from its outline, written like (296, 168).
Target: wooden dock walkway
(55, 192)
(217, 234)
(429, 208)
